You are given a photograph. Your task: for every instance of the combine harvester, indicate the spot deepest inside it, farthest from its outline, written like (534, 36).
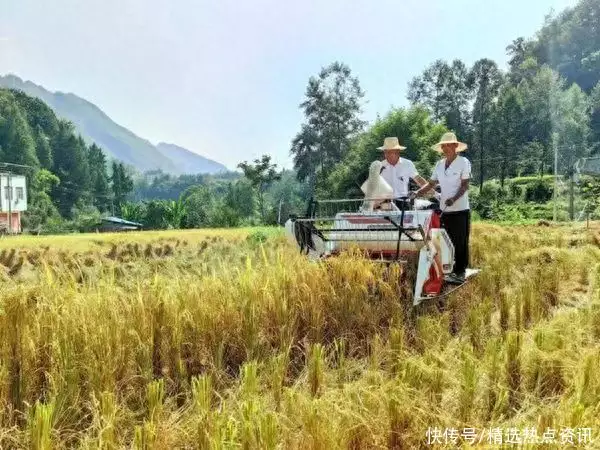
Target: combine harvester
(402, 235)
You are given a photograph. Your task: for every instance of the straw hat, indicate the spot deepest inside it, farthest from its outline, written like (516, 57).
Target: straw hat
(450, 138)
(376, 186)
(391, 143)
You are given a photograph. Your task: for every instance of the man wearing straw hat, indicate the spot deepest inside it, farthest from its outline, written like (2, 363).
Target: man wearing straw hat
(398, 171)
(452, 173)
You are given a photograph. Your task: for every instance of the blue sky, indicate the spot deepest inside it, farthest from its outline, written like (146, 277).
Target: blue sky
(225, 78)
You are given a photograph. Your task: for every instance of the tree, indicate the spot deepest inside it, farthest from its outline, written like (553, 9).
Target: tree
(555, 116)
(416, 130)
(507, 120)
(573, 128)
(542, 111)
(569, 43)
(175, 213)
(595, 118)
(72, 168)
(100, 181)
(444, 90)
(260, 175)
(122, 184)
(484, 79)
(520, 61)
(134, 211)
(286, 196)
(199, 202)
(43, 148)
(332, 110)
(41, 209)
(240, 197)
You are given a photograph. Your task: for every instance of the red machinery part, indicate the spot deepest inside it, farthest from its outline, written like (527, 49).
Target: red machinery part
(433, 285)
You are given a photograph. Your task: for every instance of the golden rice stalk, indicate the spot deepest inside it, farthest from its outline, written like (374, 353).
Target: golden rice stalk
(513, 369)
(145, 436)
(468, 387)
(155, 396)
(316, 367)
(400, 432)
(39, 425)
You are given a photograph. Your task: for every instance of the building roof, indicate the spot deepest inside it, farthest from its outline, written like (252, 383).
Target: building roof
(12, 175)
(589, 166)
(121, 221)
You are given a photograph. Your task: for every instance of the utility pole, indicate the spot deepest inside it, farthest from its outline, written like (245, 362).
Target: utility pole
(555, 145)
(9, 203)
(571, 186)
(279, 213)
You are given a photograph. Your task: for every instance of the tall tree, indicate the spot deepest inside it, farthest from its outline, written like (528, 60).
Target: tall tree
(484, 80)
(71, 166)
(122, 185)
(573, 128)
(100, 181)
(200, 203)
(332, 110)
(444, 89)
(41, 208)
(595, 118)
(240, 197)
(520, 60)
(542, 111)
(43, 148)
(260, 175)
(507, 120)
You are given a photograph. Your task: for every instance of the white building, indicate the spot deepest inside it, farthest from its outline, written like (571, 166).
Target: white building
(13, 201)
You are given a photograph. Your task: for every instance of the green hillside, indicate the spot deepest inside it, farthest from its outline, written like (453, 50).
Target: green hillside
(118, 142)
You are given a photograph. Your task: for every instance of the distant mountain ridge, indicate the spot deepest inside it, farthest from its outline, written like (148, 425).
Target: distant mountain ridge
(117, 141)
(187, 161)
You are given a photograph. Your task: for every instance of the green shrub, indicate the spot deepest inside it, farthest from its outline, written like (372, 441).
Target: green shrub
(257, 237)
(515, 191)
(538, 192)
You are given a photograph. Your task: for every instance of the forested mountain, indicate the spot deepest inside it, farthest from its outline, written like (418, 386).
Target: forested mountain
(118, 142)
(65, 174)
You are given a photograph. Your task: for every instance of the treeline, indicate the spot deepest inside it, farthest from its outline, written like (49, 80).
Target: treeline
(158, 185)
(263, 195)
(513, 120)
(68, 180)
(72, 184)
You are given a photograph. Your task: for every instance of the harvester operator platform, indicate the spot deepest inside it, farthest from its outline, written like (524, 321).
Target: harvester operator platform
(452, 174)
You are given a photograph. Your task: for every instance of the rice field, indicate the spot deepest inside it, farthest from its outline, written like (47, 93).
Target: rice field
(222, 339)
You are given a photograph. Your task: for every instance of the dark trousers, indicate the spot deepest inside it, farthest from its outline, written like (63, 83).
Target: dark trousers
(402, 204)
(458, 226)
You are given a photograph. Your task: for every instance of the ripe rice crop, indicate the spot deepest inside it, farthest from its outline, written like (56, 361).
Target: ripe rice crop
(210, 339)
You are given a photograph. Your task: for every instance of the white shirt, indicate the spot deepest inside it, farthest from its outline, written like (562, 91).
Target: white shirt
(399, 175)
(450, 181)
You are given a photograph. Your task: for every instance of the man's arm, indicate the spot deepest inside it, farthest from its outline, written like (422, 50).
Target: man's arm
(419, 180)
(431, 184)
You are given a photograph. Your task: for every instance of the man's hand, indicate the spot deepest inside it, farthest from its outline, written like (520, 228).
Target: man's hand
(449, 202)
(412, 195)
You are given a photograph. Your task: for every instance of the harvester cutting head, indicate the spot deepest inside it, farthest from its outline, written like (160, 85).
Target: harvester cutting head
(399, 231)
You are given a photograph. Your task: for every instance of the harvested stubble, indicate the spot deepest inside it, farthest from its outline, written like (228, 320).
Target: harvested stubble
(221, 345)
